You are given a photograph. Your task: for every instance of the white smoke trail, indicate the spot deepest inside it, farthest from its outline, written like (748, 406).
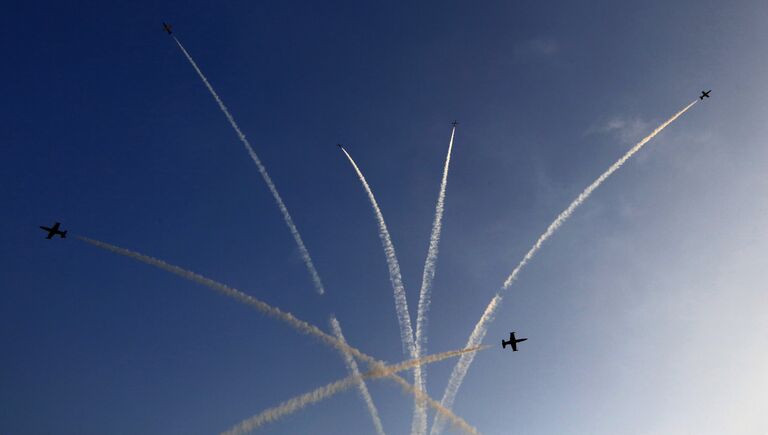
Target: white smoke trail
(355, 372)
(401, 304)
(462, 366)
(263, 171)
(298, 325)
(446, 413)
(324, 392)
(478, 333)
(419, 422)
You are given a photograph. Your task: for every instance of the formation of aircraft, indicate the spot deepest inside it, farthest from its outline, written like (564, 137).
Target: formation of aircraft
(512, 341)
(168, 28)
(704, 94)
(53, 231)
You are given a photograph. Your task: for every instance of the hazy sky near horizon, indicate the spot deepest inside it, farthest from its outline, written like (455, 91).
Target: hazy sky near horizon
(645, 313)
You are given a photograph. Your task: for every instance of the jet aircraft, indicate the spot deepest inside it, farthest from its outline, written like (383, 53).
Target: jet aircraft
(54, 231)
(168, 28)
(704, 94)
(512, 341)
(455, 123)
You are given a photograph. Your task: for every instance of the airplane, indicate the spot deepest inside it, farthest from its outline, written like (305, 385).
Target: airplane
(704, 94)
(512, 341)
(339, 145)
(167, 28)
(54, 231)
(455, 123)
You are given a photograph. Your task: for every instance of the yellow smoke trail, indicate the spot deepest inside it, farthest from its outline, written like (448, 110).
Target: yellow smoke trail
(355, 372)
(263, 171)
(419, 422)
(480, 329)
(324, 392)
(401, 304)
(299, 325)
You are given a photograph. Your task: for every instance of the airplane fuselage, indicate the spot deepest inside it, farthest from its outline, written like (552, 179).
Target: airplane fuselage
(54, 231)
(512, 342)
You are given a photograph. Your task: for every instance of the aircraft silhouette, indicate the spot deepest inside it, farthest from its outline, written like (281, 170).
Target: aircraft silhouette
(54, 231)
(168, 28)
(704, 94)
(512, 341)
(455, 123)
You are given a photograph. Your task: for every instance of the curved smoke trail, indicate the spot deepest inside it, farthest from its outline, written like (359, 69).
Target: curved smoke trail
(419, 422)
(326, 391)
(478, 333)
(288, 318)
(263, 171)
(354, 371)
(401, 304)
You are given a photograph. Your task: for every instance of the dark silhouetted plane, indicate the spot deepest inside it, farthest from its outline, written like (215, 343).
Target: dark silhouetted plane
(168, 28)
(54, 231)
(704, 94)
(339, 145)
(512, 341)
(455, 123)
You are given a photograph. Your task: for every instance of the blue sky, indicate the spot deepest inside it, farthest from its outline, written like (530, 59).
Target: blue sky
(645, 313)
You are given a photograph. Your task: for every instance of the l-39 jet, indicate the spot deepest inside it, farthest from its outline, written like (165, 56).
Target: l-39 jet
(168, 28)
(512, 341)
(54, 231)
(704, 94)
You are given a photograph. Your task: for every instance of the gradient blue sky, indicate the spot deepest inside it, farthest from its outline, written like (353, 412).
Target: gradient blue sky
(645, 313)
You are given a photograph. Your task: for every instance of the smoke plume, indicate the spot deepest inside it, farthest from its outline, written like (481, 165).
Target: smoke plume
(355, 372)
(478, 333)
(419, 423)
(263, 171)
(326, 391)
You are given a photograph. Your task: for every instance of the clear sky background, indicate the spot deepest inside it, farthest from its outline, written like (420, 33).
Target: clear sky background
(645, 314)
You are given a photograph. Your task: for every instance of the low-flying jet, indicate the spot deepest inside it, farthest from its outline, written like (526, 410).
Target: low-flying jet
(704, 94)
(512, 341)
(168, 28)
(455, 123)
(54, 231)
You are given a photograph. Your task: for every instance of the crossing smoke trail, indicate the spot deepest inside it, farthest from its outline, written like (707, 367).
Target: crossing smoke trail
(419, 423)
(478, 333)
(401, 304)
(355, 372)
(263, 171)
(299, 325)
(326, 391)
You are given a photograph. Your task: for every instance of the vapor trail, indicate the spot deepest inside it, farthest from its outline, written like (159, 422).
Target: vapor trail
(314, 396)
(297, 324)
(419, 422)
(478, 333)
(354, 371)
(263, 171)
(401, 304)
